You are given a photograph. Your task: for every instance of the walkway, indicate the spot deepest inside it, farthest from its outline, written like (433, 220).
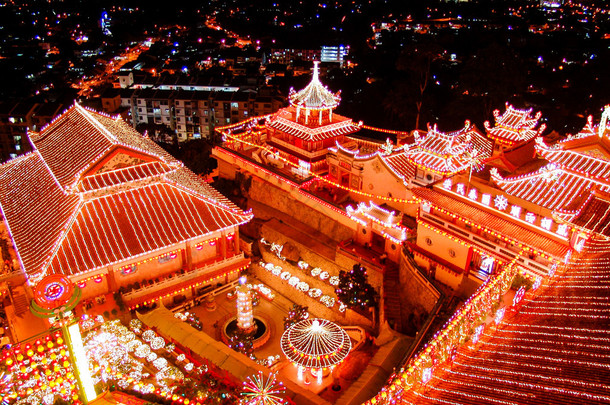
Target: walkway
(555, 350)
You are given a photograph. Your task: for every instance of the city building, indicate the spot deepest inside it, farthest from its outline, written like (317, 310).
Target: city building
(193, 114)
(98, 202)
(16, 119)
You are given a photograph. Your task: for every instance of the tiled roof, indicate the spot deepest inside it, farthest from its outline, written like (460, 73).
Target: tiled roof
(593, 215)
(492, 222)
(514, 126)
(449, 153)
(552, 349)
(550, 187)
(114, 214)
(401, 165)
(315, 95)
(79, 137)
(36, 208)
(579, 160)
(333, 130)
(103, 180)
(127, 224)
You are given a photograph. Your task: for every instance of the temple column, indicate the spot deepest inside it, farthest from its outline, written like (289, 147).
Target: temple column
(223, 245)
(112, 285)
(236, 241)
(188, 256)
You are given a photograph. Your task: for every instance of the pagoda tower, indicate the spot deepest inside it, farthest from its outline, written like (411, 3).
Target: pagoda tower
(303, 131)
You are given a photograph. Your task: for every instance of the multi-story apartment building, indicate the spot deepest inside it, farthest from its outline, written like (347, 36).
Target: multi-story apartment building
(16, 119)
(194, 114)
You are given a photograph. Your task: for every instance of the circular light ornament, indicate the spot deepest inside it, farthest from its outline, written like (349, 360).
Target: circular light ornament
(315, 343)
(53, 291)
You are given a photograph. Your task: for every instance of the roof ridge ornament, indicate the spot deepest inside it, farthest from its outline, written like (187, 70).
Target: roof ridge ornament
(604, 121)
(315, 95)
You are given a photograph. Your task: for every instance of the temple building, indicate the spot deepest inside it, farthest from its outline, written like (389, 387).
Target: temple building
(304, 131)
(574, 185)
(565, 202)
(513, 134)
(392, 171)
(100, 203)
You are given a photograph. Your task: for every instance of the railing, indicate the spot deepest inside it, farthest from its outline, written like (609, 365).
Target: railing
(291, 147)
(217, 291)
(11, 274)
(179, 278)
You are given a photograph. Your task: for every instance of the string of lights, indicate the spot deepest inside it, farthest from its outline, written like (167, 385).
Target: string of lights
(531, 357)
(525, 385)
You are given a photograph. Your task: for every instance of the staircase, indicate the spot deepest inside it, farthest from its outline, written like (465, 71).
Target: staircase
(556, 349)
(20, 303)
(391, 298)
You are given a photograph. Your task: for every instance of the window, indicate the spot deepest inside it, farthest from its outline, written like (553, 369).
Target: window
(451, 252)
(428, 241)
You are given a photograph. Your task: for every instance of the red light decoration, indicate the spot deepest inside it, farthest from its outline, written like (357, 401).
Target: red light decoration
(53, 291)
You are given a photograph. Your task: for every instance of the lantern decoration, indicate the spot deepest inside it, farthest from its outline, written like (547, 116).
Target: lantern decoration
(38, 372)
(55, 291)
(316, 345)
(261, 391)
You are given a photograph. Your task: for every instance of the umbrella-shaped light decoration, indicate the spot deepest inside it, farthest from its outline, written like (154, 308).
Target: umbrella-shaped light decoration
(318, 345)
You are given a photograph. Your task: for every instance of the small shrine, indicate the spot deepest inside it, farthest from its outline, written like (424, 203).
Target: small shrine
(514, 127)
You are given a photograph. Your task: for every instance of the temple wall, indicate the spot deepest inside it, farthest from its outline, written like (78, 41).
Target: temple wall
(338, 227)
(443, 247)
(418, 295)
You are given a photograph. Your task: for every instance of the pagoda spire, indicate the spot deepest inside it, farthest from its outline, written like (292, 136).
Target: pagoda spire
(315, 96)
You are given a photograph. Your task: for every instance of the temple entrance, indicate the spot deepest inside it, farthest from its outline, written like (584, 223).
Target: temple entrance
(345, 179)
(378, 242)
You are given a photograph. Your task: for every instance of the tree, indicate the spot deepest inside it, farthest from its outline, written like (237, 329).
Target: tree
(494, 75)
(354, 290)
(242, 342)
(415, 67)
(296, 314)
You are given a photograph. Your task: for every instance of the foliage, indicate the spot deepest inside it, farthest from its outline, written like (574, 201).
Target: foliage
(118, 298)
(520, 280)
(493, 75)
(354, 290)
(408, 94)
(242, 342)
(297, 313)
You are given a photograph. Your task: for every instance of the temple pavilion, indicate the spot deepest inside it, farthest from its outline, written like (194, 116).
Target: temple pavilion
(304, 131)
(102, 204)
(574, 185)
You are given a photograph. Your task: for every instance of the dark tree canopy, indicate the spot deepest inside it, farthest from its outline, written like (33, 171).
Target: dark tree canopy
(354, 290)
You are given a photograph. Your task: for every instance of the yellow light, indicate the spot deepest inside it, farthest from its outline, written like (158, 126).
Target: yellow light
(82, 365)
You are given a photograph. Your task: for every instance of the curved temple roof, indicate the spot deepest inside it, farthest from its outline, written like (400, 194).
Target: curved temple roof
(96, 192)
(315, 95)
